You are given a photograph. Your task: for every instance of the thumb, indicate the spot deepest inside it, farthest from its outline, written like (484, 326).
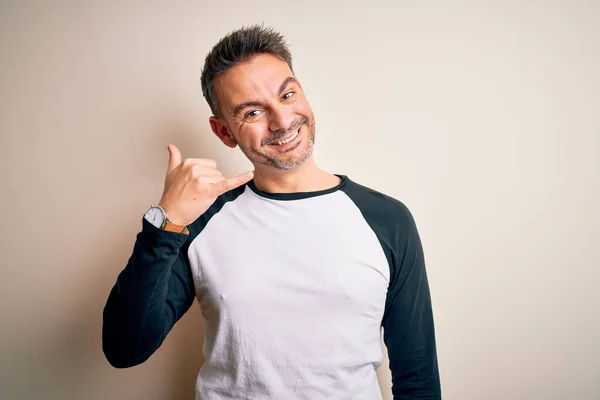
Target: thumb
(174, 157)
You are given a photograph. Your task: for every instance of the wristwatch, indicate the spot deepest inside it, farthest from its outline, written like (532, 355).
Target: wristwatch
(157, 216)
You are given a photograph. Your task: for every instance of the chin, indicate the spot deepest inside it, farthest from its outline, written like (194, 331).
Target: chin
(295, 161)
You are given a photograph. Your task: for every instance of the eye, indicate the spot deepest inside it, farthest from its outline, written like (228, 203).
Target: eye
(288, 95)
(252, 114)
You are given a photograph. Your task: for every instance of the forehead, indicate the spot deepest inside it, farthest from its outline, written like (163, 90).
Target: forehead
(256, 79)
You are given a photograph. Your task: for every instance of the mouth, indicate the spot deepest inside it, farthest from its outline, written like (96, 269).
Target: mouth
(287, 140)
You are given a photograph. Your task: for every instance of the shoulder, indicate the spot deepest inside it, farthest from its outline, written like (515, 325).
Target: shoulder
(382, 211)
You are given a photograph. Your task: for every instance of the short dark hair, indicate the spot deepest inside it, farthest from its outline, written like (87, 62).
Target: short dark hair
(236, 47)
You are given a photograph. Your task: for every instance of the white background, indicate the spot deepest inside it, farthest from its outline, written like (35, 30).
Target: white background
(482, 117)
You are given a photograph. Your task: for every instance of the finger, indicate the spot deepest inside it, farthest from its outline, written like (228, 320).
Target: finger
(208, 179)
(198, 170)
(231, 183)
(174, 157)
(206, 162)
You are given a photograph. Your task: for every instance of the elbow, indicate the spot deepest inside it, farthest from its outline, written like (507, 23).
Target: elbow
(121, 362)
(123, 348)
(126, 340)
(416, 377)
(121, 355)
(116, 361)
(118, 353)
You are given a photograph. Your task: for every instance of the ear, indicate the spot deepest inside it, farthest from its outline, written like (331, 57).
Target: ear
(222, 132)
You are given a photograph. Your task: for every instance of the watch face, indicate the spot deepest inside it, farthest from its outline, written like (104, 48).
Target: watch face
(155, 216)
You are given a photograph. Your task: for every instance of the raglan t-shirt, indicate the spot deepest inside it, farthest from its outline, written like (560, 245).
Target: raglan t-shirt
(294, 288)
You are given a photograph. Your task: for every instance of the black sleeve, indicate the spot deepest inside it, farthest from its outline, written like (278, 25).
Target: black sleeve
(151, 294)
(408, 330)
(408, 327)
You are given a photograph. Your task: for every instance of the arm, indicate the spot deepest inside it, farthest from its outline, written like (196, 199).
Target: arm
(151, 294)
(408, 327)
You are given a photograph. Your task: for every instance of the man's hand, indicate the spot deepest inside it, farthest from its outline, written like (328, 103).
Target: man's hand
(193, 185)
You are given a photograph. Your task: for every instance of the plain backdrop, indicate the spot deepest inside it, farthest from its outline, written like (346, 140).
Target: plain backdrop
(483, 117)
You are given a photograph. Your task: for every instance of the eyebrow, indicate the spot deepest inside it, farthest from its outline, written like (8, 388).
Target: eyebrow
(254, 103)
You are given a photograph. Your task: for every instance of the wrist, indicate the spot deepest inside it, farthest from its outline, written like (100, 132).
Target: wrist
(159, 217)
(173, 218)
(169, 226)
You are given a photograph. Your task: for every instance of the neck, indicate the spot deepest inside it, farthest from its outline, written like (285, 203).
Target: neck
(306, 178)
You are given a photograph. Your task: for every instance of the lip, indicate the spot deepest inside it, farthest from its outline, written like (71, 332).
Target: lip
(283, 146)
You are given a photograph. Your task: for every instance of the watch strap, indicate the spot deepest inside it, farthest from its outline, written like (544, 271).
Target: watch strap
(171, 227)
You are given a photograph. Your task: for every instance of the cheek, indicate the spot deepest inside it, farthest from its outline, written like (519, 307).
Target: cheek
(301, 106)
(251, 134)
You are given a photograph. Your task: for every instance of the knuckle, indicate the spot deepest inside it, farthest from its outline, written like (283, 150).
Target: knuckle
(201, 188)
(202, 180)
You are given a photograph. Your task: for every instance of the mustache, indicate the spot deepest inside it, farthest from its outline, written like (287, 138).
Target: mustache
(281, 133)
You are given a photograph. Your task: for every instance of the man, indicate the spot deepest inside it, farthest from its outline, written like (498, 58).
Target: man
(295, 269)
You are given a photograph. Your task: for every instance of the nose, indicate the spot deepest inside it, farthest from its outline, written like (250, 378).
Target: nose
(280, 118)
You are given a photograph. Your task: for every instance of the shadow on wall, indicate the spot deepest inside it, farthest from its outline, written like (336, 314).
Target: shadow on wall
(169, 373)
(64, 359)
(172, 370)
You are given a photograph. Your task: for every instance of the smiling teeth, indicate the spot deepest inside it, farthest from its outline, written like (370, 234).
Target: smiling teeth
(284, 141)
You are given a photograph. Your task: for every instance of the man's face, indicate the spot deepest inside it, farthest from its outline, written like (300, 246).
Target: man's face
(265, 112)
